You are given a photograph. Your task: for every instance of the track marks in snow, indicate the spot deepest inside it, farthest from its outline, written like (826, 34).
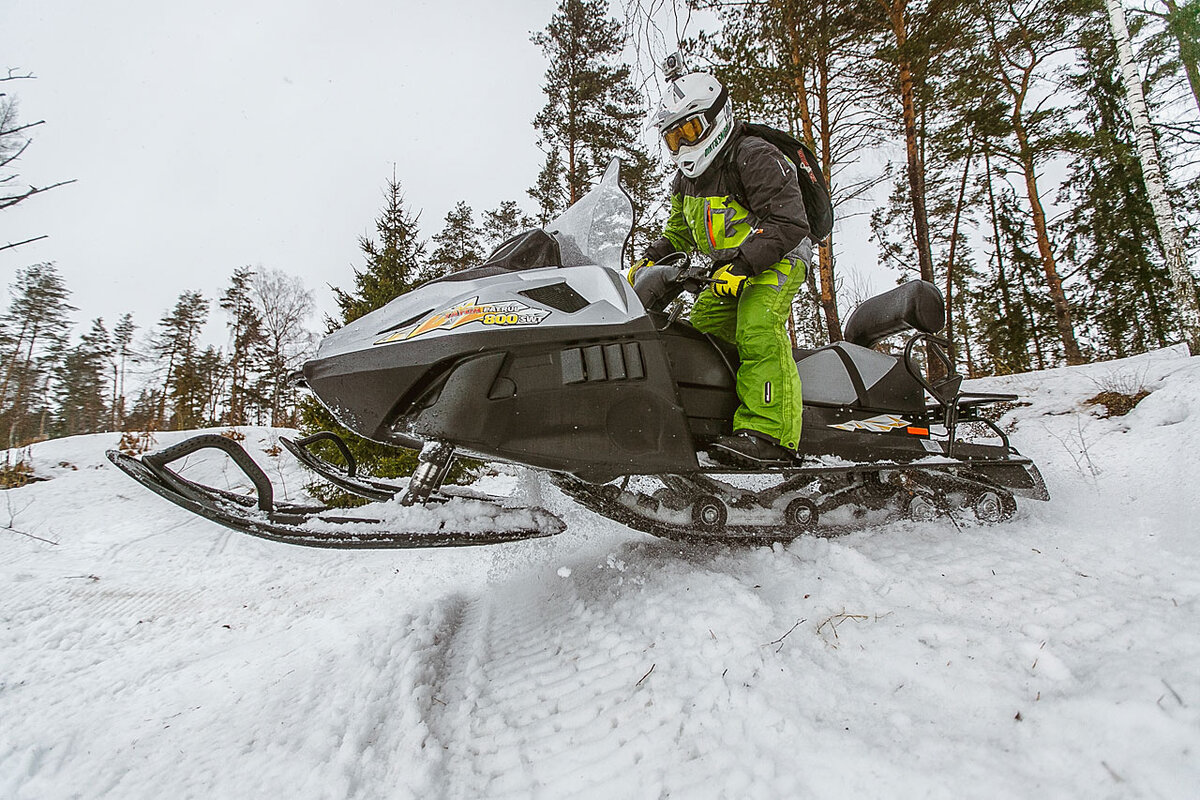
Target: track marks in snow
(590, 685)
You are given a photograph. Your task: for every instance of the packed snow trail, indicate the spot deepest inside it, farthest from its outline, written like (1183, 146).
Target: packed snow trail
(151, 653)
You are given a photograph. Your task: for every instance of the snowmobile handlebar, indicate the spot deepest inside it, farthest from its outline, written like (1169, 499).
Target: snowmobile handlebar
(657, 285)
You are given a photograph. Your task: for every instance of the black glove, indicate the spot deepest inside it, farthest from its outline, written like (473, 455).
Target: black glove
(736, 265)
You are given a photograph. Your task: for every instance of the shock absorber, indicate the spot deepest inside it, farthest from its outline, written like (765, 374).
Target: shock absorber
(432, 468)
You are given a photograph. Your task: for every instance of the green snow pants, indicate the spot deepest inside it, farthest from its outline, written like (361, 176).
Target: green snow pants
(768, 385)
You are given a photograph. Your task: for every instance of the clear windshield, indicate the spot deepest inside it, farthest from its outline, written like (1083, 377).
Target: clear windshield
(596, 228)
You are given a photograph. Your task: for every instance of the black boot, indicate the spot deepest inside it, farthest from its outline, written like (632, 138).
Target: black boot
(746, 448)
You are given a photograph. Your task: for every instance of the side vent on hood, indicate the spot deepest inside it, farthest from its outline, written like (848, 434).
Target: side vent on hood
(557, 295)
(616, 361)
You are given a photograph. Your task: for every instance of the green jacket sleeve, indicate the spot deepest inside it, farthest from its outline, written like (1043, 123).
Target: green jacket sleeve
(677, 236)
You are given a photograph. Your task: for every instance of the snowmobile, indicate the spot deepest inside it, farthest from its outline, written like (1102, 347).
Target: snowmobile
(545, 356)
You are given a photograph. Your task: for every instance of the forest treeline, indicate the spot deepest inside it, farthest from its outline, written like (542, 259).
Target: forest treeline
(1012, 179)
(985, 146)
(162, 378)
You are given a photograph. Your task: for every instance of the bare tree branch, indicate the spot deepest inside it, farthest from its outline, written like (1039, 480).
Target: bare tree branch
(11, 245)
(12, 200)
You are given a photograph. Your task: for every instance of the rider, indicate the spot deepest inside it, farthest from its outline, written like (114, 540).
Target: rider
(759, 246)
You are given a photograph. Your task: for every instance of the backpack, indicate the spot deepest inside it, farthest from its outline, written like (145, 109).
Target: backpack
(817, 204)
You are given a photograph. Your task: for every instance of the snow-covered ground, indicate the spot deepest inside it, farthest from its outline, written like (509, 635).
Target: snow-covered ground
(147, 653)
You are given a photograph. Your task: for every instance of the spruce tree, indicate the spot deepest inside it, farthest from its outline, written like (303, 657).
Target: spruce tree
(394, 265)
(393, 261)
(123, 355)
(81, 384)
(1002, 326)
(1109, 231)
(1171, 239)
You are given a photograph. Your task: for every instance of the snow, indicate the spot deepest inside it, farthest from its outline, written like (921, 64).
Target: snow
(147, 653)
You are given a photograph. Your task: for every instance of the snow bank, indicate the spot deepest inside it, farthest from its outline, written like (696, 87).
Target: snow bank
(148, 653)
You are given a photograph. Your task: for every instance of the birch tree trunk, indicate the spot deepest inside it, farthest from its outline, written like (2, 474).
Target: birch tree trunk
(1164, 218)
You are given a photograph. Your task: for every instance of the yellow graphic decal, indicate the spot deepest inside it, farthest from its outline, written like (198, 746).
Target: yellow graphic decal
(508, 313)
(881, 424)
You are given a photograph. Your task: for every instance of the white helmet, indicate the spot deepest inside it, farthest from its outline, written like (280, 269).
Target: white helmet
(695, 121)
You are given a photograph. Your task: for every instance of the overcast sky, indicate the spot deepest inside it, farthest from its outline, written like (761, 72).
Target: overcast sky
(205, 136)
(211, 135)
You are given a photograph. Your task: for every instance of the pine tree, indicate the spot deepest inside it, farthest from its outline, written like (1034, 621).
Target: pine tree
(502, 223)
(34, 337)
(1022, 41)
(246, 340)
(458, 245)
(592, 111)
(910, 38)
(800, 66)
(176, 344)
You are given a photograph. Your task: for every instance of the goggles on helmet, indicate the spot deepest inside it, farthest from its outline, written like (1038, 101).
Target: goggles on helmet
(691, 130)
(688, 131)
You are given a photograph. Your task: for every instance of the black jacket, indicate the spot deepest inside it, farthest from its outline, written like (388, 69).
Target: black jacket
(772, 196)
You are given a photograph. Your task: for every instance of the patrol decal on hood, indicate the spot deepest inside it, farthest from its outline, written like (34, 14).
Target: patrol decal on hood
(507, 314)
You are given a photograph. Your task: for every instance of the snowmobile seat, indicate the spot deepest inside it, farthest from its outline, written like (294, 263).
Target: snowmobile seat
(913, 305)
(847, 375)
(801, 353)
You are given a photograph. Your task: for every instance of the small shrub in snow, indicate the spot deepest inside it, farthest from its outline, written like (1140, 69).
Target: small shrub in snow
(1116, 404)
(14, 476)
(1119, 392)
(134, 443)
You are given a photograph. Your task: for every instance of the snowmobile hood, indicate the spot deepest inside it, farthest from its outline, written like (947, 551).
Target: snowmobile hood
(527, 281)
(508, 303)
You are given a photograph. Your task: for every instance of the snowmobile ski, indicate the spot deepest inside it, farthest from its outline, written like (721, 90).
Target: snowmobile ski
(446, 522)
(345, 478)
